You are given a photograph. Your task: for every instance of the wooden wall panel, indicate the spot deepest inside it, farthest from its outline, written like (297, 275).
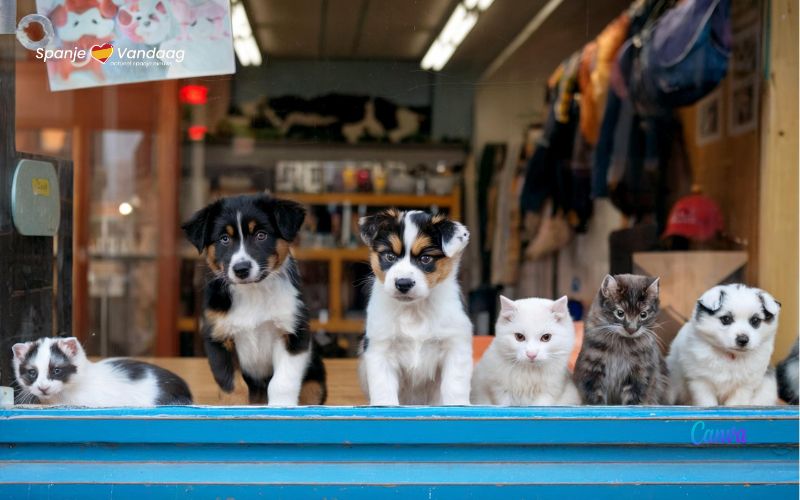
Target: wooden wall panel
(778, 231)
(727, 170)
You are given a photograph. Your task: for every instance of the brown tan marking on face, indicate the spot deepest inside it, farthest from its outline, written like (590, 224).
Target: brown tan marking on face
(229, 230)
(251, 226)
(311, 393)
(275, 261)
(422, 242)
(437, 218)
(375, 264)
(211, 258)
(397, 243)
(395, 213)
(218, 333)
(444, 267)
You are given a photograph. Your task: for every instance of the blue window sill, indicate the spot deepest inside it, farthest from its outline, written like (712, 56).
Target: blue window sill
(470, 452)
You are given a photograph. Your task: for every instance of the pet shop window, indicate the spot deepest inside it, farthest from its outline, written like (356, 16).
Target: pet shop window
(533, 123)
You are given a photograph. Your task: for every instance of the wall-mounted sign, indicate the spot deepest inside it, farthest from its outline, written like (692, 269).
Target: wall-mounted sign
(108, 42)
(35, 198)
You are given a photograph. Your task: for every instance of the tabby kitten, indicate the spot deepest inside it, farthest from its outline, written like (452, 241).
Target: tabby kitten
(620, 362)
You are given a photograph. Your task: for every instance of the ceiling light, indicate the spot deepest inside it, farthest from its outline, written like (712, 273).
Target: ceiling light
(458, 26)
(479, 4)
(244, 43)
(125, 208)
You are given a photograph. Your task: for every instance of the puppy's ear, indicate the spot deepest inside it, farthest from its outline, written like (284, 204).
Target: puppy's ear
(560, 309)
(70, 346)
(508, 309)
(124, 18)
(21, 350)
(198, 228)
(289, 217)
(370, 225)
(609, 286)
(711, 301)
(652, 290)
(769, 305)
(455, 236)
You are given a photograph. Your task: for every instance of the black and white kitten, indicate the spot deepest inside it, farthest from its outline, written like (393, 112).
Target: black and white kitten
(56, 371)
(620, 362)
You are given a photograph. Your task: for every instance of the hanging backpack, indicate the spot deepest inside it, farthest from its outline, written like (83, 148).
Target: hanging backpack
(681, 56)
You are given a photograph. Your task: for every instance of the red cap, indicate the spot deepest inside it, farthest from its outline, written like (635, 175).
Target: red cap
(696, 217)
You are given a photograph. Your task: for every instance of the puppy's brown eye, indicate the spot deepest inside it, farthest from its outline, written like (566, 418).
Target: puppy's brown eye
(546, 337)
(425, 259)
(755, 321)
(224, 239)
(261, 236)
(520, 337)
(389, 257)
(726, 320)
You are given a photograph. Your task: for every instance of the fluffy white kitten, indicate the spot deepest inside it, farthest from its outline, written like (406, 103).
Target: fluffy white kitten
(526, 364)
(721, 356)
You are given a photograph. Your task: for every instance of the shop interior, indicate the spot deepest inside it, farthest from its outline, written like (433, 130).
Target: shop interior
(345, 108)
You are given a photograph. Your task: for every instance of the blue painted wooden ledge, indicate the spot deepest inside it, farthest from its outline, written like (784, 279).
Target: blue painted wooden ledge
(335, 452)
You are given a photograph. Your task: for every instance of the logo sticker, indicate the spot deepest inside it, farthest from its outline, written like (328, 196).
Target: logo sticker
(102, 52)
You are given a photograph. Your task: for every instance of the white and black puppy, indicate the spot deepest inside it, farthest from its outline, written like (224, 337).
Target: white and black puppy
(253, 305)
(418, 344)
(721, 357)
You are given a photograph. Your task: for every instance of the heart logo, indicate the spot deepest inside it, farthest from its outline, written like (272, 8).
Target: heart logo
(102, 52)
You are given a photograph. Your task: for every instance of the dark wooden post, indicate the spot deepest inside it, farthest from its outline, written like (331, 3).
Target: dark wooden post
(35, 301)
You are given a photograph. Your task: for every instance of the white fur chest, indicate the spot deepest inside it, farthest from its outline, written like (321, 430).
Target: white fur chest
(260, 315)
(414, 338)
(269, 305)
(723, 372)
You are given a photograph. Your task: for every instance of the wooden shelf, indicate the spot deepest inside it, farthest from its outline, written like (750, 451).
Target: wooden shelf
(339, 325)
(355, 254)
(189, 324)
(372, 199)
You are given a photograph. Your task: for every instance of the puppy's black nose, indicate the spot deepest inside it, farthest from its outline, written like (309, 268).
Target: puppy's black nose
(242, 269)
(742, 340)
(404, 285)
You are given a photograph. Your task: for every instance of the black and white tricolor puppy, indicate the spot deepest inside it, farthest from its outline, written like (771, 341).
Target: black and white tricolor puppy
(253, 309)
(56, 371)
(721, 356)
(418, 344)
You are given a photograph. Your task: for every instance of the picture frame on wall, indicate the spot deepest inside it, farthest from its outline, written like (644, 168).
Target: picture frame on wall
(709, 119)
(743, 113)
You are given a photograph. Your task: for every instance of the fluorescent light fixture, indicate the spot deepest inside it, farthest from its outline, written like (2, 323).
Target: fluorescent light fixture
(481, 5)
(244, 43)
(461, 22)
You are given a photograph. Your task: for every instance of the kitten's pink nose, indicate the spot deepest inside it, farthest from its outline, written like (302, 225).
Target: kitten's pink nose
(44, 388)
(531, 355)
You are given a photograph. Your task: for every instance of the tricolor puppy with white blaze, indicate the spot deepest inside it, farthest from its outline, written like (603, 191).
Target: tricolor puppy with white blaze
(254, 311)
(418, 344)
(721, 356)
